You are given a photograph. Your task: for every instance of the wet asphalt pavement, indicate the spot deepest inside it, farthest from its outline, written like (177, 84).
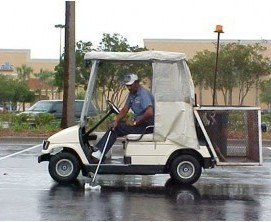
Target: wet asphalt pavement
(27, 192)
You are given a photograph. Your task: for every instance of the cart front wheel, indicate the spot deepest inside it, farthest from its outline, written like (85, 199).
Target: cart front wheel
(64, 167)
(185, 169)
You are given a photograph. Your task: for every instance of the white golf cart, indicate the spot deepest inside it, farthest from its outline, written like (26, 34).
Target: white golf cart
(186, 137)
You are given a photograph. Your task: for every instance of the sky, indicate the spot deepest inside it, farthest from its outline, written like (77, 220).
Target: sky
(29, 24)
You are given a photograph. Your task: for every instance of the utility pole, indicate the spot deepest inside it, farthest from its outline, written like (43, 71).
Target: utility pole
(69, 67)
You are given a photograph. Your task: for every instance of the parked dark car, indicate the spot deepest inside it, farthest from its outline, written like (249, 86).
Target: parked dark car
(264, 127)
(55, 107)
(266, 111)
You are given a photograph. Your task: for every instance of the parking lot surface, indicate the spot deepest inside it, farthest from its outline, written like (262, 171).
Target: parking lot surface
(223, 193)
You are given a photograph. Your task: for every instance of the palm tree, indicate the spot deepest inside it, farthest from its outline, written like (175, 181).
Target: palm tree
(24, 72)
(45, 78)
(23, 75)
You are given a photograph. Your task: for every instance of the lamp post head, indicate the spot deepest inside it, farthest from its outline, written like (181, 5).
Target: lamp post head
(219, 29)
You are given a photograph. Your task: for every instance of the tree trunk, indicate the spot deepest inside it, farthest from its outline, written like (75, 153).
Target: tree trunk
(230, 97)
(200, 93)
(257, 92)
(69, 67)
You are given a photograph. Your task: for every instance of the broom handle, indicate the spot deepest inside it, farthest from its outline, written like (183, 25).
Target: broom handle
(98, 166)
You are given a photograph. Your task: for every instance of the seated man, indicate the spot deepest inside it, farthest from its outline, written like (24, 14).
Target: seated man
(141, 101)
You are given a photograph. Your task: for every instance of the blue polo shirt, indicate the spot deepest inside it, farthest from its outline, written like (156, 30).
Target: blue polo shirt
(139, 101)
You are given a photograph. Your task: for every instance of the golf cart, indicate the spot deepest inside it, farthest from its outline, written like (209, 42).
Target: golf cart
(186, 137)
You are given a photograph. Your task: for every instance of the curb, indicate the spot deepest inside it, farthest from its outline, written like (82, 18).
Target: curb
(19, 140)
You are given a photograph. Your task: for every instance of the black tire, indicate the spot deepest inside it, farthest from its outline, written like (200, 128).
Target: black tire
(64, 167)
(185, 169)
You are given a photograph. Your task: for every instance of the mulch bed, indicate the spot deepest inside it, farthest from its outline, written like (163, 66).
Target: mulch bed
(25, 133)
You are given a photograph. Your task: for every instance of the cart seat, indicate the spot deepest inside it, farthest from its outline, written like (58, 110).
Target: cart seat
(140, 137)
(144, 137)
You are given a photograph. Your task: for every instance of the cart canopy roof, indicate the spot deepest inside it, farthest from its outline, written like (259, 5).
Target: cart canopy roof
(136, 56)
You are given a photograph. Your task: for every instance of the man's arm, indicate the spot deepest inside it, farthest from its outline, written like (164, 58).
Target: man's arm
(120, 116)
(148, 113)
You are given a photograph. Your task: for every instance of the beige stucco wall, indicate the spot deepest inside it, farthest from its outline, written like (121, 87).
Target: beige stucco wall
(18, 57)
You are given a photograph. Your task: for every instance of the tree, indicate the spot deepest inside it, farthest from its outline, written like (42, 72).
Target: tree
(265, 96)
(22, 93)
(6, 89)
(109, 78)
(240, 66)
(24, 72)
(202, 71)
(45, 78)
(243, 65)
(113, 43)
(261, 66)
(82, 72)
(14, 91)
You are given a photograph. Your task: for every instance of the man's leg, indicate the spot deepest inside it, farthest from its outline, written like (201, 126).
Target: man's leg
(100, 145)
(121, 130)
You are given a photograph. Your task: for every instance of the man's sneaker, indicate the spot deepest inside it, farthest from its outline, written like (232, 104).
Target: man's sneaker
(97, 154)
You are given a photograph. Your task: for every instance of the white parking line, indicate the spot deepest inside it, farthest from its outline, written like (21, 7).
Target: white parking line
(22, 151)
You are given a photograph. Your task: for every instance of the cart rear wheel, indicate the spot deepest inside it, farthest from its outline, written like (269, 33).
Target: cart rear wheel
(64, 167)
(185, 169)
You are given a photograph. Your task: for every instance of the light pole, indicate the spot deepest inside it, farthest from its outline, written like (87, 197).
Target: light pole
(60, 26)
(219, 29)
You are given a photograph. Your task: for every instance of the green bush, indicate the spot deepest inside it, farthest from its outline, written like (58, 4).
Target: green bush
(43, 119)
(236, 120)
(22, 122)
(266, 118)
(93, 120)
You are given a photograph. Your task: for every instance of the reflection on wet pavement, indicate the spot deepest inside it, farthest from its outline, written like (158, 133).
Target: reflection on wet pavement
(168, 202)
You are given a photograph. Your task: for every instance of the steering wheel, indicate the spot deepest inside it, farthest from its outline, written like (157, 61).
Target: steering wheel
(113, 108)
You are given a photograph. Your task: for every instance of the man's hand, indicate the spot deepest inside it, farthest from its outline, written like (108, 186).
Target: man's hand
(113, 124)
(119, 117)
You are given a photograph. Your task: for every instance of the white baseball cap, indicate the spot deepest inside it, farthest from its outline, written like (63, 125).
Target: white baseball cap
(129, 79)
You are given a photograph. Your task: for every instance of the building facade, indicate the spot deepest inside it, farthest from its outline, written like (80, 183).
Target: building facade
(191, 46)
(10, 59)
